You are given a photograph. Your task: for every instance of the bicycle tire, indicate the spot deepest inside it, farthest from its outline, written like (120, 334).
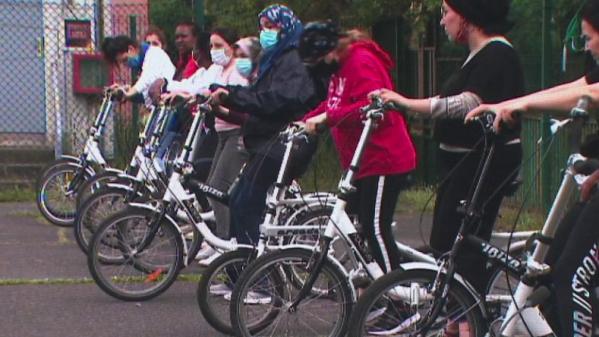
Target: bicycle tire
(395, 311)
(159, 279)
(96, 183)
(210, 304)
(89, 216)
(63, 213)
(267, 268)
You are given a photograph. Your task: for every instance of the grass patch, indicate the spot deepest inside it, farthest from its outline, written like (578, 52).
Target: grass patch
(530, 219)
(83, 280)
(415, 199)
(63, 237)
(17, 194)
(30, 214)
(45, 281)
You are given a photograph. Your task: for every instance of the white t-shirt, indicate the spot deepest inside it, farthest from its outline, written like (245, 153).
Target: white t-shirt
(196, 83)
(202, 79)
(157, 64)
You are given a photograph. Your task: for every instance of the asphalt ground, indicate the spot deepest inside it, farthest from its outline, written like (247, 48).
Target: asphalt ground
(46, 289)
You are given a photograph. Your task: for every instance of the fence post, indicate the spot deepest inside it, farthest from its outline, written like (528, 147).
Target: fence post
(546, 70)
(134, 106)
(199, 13)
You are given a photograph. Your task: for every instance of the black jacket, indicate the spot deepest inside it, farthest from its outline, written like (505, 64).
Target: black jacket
(283, 94)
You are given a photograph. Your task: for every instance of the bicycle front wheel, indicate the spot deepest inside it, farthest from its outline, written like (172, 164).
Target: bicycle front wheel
(123, 269)
(96, 184)
(216, 286)
(57, 190)
(398, 303)
(262, 298)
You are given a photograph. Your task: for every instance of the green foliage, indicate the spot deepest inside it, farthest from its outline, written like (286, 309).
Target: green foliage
(324, 171)
(166, 14)
(242, 14)
(125, 138)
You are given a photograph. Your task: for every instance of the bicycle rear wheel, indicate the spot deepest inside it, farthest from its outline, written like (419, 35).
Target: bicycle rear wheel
(262, 296)
(122, 271)
(397, 304)
(96, 209)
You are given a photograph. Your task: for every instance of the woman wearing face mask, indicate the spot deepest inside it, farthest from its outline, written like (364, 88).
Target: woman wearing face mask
(155, 37)
(152, 61)
(282, 92)
(247, 53)
(389, 156)
(491, 73)
(230, 152)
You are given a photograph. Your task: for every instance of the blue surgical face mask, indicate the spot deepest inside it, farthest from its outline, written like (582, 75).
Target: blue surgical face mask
(244, 66)
(134, 62)
(268, 38)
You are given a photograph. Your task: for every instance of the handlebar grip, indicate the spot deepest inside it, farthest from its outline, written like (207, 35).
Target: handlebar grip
(582, 107)
(117, 95)
(586, 167)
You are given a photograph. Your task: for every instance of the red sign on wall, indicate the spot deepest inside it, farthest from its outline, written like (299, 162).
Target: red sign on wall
(78, 33)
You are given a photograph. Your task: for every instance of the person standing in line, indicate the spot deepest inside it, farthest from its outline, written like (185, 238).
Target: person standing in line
(491, 73)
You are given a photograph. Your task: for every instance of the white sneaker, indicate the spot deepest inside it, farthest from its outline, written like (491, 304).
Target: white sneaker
(253, 298)
(221, 289)
(208, 260)
(187, 231)
(205, 251)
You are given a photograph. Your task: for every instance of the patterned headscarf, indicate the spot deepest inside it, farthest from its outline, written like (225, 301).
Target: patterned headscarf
(291, 31)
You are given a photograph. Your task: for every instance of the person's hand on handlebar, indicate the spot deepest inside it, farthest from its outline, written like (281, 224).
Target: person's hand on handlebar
(504, 113)
(316, 124)
(169, 97)
(218, 95)
(587, 187)
(389, 96)
(119, 91)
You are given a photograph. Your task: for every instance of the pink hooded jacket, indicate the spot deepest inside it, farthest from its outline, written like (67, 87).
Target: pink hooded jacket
(390, 149)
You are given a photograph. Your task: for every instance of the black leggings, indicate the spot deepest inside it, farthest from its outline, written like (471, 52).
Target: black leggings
(573, 257)
(455, 188)
(374, 202)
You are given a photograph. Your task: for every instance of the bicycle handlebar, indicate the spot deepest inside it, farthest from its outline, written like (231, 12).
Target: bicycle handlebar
(586, 167)
(378, 104)
(579, 114)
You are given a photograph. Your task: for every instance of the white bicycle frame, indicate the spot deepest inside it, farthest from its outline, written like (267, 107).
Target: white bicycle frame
(513, 325)
(185, 200)
(91, 150)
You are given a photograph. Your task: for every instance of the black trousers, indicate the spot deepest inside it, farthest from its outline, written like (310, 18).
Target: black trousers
(247, 201)
(374, 203)
(573, 258)
(457, 187)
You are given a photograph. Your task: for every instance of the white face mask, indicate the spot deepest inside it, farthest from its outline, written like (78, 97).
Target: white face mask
(219, 57)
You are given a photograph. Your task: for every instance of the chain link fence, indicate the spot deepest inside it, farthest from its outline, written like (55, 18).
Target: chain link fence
(53, 73)
(52, 76)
